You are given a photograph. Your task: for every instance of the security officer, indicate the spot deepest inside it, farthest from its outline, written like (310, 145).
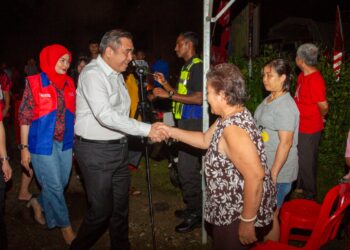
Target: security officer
(188, 112)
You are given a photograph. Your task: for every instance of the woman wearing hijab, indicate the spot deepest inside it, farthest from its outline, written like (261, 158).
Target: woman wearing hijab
(46, 118)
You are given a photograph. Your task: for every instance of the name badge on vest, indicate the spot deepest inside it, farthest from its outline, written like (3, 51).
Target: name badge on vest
(45, 95)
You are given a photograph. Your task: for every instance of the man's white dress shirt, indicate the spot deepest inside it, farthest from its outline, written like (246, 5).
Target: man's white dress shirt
(103, 105)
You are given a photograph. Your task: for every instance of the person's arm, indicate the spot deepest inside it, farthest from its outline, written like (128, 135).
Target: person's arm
(286, 142)
(25, 117)
(25, 154)
(347, 151)
(7, 100)
(347, 161)
(193, 138)
(192, 98)
(323, 107)
(93, 87)
(159, 77)
(240, 149)
(6, 168)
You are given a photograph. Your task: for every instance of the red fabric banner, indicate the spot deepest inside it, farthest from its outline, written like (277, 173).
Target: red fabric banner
(338, 45)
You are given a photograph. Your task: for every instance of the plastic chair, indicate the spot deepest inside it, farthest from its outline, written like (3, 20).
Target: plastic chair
(326, 226)
(303, 214)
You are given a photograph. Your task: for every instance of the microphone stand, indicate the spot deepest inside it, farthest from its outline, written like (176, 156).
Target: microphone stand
(141, 109)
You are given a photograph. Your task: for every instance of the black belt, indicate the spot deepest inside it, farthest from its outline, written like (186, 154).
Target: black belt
(118, 141)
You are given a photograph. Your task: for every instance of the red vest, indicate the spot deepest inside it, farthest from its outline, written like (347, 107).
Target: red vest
(41, 132)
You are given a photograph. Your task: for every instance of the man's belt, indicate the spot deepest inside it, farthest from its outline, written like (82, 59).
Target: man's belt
(122, 140)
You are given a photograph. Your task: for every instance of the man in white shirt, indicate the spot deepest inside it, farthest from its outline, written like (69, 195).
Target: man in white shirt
(101, 148)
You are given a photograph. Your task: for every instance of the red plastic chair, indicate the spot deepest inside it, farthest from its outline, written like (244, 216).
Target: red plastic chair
(327, 224)
(303, 214)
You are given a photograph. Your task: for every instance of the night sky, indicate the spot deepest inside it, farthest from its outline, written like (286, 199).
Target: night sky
(28, 25)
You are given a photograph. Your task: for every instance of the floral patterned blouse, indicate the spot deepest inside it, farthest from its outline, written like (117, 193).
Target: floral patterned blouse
(224, 183)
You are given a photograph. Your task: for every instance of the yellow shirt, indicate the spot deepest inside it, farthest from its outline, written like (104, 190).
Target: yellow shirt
(133, 90)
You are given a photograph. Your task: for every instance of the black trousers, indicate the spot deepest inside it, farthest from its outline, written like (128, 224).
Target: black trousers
(3, 235)
(107, 179)
(308, 153)
(189, 167)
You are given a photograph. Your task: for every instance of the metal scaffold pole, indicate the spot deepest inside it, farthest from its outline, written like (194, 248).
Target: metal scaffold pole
(207, 20)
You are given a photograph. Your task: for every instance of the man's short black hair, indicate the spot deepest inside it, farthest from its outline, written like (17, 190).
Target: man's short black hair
(191, 36)
(94, 41)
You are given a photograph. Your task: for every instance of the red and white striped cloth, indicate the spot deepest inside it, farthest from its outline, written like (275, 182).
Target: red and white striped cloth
(338, 45)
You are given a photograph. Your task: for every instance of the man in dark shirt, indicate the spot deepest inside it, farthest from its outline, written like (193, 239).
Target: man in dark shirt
(187, 109)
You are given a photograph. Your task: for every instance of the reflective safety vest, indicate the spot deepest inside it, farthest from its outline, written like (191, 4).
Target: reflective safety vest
(181, 110)
(42, 129)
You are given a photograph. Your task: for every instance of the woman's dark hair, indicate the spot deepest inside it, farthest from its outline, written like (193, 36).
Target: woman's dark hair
(282, 67)
(82, 59)
(228, 78)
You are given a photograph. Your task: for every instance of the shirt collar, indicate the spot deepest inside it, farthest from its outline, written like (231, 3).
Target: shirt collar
(105, 67)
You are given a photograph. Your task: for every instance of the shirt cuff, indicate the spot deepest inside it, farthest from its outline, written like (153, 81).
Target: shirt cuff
(145, 128)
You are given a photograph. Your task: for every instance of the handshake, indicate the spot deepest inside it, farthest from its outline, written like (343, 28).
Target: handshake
(159, 132)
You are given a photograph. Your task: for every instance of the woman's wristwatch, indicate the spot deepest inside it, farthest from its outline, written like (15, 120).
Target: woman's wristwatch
(22, 146)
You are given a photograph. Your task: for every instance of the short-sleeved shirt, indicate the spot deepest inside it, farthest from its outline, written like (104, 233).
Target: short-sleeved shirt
(5, 85)
(347, 151)
(5, 82)
(279, 115)
(195, 83)
(311, 90)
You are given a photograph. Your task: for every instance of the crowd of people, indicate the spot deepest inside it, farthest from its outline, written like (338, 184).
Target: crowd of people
(250, 160)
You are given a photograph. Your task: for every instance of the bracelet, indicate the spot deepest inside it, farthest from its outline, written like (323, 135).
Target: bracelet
(22, 146)
(5, 158)
(247, 220)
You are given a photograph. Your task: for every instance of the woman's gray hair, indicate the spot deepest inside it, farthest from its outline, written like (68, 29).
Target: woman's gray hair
(228, 78)
(112, 39)
(308, 52)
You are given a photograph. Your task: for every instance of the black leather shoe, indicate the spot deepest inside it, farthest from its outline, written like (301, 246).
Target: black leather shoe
(182, 213)
(190, 223)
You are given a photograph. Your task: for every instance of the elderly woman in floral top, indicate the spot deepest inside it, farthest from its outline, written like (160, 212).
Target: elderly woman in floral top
(240, 195)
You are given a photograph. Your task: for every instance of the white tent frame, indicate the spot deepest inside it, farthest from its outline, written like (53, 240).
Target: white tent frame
(207, 20)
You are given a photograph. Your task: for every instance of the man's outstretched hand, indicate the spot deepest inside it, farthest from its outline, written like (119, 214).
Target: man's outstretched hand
(157, 134)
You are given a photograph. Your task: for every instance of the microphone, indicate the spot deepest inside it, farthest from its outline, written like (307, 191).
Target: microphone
(141, 67)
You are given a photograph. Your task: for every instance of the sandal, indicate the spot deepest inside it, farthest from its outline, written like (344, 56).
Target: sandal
(133, 191)
(37, 210)
(26, 202)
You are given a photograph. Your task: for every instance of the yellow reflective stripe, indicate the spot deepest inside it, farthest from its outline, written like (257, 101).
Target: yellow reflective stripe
(196, 60)
(177, 110)
(184, 75)
(182, 89)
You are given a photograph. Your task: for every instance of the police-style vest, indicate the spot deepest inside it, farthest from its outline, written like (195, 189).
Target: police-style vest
(186, 111)
(41, 131)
